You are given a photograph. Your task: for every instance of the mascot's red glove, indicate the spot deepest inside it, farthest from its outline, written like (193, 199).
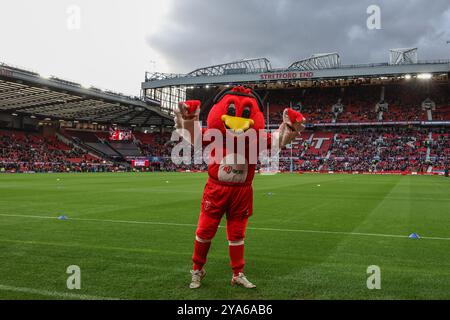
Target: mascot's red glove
(295, 116)
(187, 110)
(192, 105)
(186, 117)
(293, 124)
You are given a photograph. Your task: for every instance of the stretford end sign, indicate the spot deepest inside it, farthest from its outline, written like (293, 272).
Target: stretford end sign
(286, 75)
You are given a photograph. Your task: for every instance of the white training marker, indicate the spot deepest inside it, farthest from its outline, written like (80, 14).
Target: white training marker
(318, 185)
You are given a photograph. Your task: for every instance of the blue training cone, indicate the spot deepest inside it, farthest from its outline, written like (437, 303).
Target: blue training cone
(414, 236)
(63, 218)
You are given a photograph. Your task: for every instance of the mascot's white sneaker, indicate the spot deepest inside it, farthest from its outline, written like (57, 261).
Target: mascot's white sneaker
(241, 280)
(197, 277)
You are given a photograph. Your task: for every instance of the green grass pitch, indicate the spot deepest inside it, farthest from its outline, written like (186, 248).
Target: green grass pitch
(311, 237)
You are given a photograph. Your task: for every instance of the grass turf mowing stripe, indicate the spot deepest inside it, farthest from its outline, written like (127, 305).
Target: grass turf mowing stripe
(56, 294)
(248, 228)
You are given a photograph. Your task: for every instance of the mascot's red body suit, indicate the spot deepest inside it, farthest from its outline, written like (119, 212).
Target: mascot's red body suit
(229, 186)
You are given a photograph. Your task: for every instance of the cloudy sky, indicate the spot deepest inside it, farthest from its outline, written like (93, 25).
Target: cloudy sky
(111, 43)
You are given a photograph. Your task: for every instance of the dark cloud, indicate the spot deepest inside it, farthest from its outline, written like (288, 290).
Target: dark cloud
(198, 33)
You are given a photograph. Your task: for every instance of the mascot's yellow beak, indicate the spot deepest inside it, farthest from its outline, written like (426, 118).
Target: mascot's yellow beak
(237, 124)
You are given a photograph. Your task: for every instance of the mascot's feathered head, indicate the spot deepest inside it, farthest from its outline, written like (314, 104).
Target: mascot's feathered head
(236, 110)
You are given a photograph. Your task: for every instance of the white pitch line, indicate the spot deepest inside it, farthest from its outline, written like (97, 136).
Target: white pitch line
(249, 228)
(103, 220)
(56, 294)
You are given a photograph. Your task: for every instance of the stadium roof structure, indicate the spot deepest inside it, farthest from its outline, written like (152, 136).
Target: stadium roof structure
(24, 92)
(235, 67)
(325, 66)
(403, 56)
(317, 61)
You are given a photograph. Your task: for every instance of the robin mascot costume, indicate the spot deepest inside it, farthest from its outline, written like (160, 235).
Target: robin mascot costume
(235, 113)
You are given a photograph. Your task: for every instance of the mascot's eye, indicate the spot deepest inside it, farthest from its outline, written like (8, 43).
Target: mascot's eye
(231, 110)
(246, 112)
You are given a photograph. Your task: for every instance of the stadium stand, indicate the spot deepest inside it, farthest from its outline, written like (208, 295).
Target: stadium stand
(126, 149)
(91, 141)
(404, 103)
(355, 149)
(387, 124)
(25, 152)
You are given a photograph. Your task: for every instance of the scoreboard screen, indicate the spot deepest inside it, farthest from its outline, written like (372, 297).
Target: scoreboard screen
(120, 135)
(140, 163)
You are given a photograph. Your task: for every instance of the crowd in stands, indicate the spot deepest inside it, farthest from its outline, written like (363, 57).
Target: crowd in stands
(376, 148)
(382, 149)
(155, 144)
(362, 149)
(32, 152)
(404, 103)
